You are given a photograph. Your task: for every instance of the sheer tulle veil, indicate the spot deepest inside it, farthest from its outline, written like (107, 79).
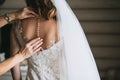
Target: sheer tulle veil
(77, 61)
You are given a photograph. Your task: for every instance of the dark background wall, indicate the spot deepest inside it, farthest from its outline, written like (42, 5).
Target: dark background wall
(100, 20)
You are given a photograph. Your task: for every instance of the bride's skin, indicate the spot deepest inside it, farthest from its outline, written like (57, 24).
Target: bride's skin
(48, 31)
(30, 30)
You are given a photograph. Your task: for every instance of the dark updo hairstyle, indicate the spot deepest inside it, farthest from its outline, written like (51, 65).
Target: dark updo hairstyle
(44, 8)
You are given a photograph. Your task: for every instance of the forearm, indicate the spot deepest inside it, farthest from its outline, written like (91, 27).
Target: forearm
(9, 63)
(4, 22)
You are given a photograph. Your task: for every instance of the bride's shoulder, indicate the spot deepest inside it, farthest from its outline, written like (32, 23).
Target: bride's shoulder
(51, 23)
(29, 21)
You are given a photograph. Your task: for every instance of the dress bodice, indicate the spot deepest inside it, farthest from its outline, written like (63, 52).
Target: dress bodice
(45, 64)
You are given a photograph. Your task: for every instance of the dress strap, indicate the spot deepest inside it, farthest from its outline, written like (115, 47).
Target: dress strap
(18, 32)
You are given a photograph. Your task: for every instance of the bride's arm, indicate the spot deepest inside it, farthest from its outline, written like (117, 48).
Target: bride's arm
(16, 74)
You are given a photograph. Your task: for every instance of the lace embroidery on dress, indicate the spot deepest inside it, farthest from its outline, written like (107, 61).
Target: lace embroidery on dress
(45, 64)
(18, 32)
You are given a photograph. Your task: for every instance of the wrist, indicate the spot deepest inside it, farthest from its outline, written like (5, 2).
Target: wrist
(20, 57)
(10, 17)
(16, 14)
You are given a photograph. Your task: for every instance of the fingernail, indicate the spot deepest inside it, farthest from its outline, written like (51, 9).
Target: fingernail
(41, 39)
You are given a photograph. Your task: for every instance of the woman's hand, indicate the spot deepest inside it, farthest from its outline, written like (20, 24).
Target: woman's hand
(31, 48)
(20, 14)
(25, 13)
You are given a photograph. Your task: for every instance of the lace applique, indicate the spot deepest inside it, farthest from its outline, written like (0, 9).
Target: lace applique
(45, 64)
(52, 42)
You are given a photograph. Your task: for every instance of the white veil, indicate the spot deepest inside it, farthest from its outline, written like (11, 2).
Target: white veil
(77, 62)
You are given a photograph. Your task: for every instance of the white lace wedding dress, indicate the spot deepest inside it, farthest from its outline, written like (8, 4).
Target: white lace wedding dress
(45, 64)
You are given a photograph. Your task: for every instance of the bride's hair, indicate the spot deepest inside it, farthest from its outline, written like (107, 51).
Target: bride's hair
(44, 8)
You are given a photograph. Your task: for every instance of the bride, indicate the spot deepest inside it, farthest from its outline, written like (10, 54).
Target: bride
(65, 53)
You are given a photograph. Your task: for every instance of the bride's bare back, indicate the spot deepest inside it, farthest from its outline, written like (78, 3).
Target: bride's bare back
(29, 29)
(46, 29)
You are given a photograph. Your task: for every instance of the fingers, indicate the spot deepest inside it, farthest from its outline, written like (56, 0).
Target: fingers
(37, 50)
(28, 8)
(30, 11)
(34, 46)
(37, 43)
(32, 42)
(37, 46)
(31, 47)
(25, 12)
